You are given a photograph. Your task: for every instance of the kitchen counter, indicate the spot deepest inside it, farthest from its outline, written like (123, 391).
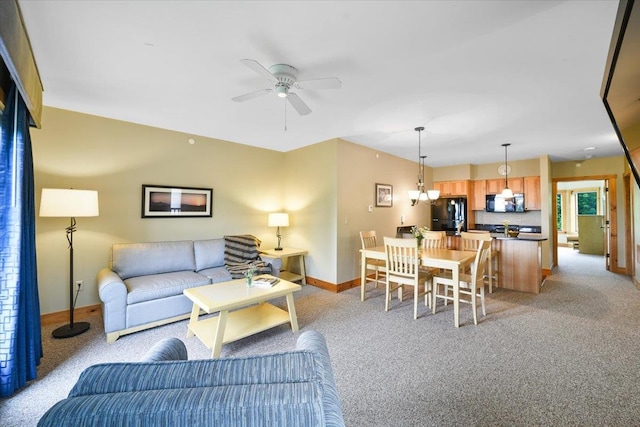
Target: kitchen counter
(535, 237)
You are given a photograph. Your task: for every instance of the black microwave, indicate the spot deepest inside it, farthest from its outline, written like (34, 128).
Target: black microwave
(497, 203)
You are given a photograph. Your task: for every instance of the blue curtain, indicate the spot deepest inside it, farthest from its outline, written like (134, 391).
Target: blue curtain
(20, 334)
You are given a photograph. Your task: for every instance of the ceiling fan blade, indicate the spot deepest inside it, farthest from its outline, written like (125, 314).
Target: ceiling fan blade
(326, 83)
(248, 96)
(258, 68)
(298, 104)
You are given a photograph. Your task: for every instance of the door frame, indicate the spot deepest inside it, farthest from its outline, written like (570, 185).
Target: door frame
(612, 231)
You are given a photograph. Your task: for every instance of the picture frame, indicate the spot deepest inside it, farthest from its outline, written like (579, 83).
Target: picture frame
(384, 195)
(162, 201)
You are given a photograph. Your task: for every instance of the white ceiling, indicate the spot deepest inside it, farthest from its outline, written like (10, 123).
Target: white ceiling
(476, 74)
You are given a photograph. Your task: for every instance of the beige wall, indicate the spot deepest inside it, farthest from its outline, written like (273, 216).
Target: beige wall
(359, 169)
(86, 152)
(310, 189)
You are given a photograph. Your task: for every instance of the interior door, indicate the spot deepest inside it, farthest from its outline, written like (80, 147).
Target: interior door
(606, 227)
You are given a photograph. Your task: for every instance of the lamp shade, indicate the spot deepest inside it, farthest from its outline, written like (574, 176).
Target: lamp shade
(278, 220)
(507, 193)
(68, 203)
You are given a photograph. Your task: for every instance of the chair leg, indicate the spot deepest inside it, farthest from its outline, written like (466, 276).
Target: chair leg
(387, 296)
(484, 311)
(416, 289)
(490, 271)
(474, 307)
(434, 294)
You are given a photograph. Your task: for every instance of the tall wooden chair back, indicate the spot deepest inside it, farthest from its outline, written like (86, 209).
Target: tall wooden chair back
(403, 268)
(471, 242)
(368, 240)
(435, 239)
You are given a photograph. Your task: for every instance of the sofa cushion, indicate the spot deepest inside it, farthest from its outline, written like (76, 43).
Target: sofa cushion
(142, 259)
(216, 274)
(209, 253)
(156, 286)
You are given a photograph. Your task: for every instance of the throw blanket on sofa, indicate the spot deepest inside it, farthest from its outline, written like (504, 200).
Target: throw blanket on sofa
(241, 253)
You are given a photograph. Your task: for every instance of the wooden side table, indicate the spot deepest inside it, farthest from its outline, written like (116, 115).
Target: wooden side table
(287, 273)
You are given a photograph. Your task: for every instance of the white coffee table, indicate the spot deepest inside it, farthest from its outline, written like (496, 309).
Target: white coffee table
(243, 311)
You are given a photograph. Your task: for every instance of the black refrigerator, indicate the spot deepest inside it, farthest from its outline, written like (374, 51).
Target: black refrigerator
(449, 214)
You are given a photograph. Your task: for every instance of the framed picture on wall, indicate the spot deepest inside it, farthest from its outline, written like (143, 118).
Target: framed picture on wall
(384, 195)
(161, 201)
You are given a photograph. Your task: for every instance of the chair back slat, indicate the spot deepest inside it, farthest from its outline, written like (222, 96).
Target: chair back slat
(434, 239)
(368, 239)
(471, 240)
(480, 262)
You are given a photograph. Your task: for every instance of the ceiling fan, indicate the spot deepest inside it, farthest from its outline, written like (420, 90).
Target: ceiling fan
(284, 77)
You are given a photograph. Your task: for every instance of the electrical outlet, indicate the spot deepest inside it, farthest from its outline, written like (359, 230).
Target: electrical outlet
(80, 285)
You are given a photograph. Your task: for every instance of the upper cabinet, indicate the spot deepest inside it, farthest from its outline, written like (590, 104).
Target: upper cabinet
(532, 199)
(479, 192)
(495, 186)
(452, 188)
(529, 186)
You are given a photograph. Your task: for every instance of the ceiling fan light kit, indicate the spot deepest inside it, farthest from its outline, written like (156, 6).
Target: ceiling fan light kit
(283, 77)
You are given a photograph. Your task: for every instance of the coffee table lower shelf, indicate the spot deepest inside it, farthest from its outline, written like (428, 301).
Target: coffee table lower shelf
(240, 323)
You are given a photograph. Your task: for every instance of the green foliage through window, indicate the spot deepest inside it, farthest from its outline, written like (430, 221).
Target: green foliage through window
(559, 211)
(587, 203)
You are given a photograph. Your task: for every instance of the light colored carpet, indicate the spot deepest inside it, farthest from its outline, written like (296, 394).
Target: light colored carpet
(568, 356)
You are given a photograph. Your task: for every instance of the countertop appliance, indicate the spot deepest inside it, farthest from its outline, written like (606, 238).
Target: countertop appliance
(497, 203)
(449, 214)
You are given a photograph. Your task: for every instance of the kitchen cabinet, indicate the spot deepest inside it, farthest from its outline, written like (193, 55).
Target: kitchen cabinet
(495, 186)
(532, 199)
(478, 196)
(520, 264)
(452, 188)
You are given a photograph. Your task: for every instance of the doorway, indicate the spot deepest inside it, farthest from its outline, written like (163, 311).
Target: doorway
(585, 221)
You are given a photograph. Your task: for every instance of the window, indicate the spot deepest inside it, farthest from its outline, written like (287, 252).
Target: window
(587, 203)
(559, 211)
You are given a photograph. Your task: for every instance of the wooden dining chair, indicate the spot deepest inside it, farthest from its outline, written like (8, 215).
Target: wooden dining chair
(434, 239)
(471, 285)
(470, 242)
(403, 268)
(368, 239)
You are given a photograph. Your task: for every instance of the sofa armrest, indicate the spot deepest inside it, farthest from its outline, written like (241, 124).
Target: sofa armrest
(167, 349)
(113, 294)
(275, 262)
(314, 341)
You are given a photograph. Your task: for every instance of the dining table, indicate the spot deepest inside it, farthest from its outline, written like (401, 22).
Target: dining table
(447, 259)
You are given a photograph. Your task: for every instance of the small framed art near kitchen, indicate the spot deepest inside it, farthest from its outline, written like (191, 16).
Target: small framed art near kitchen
(384, 195)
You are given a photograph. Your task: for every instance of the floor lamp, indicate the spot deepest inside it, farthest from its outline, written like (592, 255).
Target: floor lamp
(72, 204)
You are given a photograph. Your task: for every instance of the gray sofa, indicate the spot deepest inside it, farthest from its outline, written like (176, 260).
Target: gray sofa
(143, 286)
(295, 388)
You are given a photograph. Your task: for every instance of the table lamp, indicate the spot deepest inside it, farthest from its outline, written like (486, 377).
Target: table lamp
(278, 220)
(69, 203)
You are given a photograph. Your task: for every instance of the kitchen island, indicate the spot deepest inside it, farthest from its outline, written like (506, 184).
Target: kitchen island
(520, 262)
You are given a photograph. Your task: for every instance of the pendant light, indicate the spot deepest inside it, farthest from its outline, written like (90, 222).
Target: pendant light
(506, 193)
(419, 194)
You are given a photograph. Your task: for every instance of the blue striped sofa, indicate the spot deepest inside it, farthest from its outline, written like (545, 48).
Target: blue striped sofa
(293, 388)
